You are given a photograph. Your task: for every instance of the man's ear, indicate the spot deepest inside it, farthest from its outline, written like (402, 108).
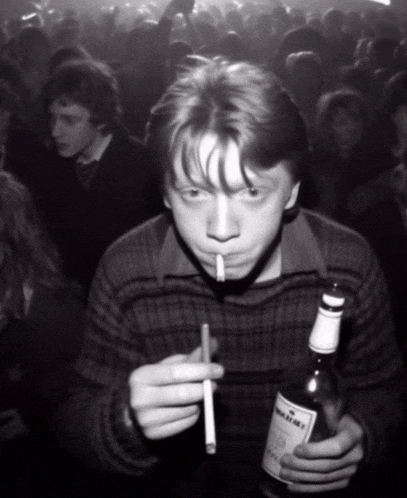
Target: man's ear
(293, 197)
(166, 200)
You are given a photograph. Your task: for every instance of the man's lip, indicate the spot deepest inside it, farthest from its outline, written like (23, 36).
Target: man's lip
(228, 260)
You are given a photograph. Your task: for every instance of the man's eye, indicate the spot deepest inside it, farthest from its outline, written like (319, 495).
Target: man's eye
(193, 193)
(253, 192)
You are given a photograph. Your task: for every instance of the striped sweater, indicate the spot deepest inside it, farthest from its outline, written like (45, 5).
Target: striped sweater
(148, 301)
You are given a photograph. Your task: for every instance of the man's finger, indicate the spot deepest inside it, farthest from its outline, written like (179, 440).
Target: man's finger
(318, 477)
(161, 416)
(142, 397)
(333, 447)
(170, 429)
(292, 461)
(163, 374)
(176, 358)
(317, 488)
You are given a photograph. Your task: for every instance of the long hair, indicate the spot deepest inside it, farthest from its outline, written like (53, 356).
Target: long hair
(26, 254)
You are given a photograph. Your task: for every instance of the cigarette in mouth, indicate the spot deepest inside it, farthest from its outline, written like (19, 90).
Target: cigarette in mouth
(220, 268)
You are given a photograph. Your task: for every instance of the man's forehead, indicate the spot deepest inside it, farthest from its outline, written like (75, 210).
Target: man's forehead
(66, 107)
(222, 167)
(208, 161)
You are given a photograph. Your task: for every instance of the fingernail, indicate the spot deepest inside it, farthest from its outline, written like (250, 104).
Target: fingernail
(218, 370)
(299, 450)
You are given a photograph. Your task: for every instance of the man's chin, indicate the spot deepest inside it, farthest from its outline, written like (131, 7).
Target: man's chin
(64, 152)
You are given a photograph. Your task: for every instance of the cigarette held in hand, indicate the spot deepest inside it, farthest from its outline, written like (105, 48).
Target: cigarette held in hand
(220, 268)
(210, 436)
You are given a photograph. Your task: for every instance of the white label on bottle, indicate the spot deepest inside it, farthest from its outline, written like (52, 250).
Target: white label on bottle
(291, 425)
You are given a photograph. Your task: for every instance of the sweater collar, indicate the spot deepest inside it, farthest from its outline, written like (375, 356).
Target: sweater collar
(299, 247)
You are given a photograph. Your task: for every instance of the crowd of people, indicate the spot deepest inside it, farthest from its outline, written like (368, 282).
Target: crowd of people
(136, 147)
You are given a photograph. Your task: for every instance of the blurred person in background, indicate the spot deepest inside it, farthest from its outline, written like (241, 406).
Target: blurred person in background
(100, 181)
(42, 318)
(305, 80)
(345, 153)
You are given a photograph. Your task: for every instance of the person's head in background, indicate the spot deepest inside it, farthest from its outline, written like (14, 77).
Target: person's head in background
(34, 50)
(333, 21)
(67, 54)
(10, 111)
(27, 256)
(82, 101)
(66, 32)
(382, 54)
(353, 24)
(301, 39)
(231, 146)
(178, 51)
(342, 120)
(232, 47)
(358, 79)
(305, 78)
(394, 108)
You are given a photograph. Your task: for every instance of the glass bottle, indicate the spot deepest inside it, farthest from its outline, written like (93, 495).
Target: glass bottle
(309, 405)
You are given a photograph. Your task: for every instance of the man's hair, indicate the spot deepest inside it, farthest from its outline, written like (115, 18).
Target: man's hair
(90, 84)
(237, 102)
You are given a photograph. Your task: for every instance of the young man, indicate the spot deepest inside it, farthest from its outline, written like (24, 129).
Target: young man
(231, 145)
(103, 182)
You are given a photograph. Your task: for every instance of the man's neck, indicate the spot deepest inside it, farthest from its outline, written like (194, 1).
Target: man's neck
(96, 150)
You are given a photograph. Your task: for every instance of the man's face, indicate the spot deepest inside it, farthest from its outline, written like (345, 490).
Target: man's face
(347, 130)
(240, 225)
(71, 129)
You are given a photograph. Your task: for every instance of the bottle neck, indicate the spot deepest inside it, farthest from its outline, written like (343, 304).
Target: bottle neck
(324, 336)
(321, 358)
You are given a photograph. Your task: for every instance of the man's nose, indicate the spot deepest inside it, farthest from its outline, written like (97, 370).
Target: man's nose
(56, 128)
(223, 223)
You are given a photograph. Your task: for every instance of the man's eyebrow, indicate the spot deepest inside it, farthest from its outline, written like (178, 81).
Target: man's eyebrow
(191, 183)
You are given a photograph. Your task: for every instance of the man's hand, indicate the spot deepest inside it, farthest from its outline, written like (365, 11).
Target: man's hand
(165, 396)
(326, 465)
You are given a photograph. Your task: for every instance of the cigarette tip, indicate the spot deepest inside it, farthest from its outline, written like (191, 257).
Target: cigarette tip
(211, 448)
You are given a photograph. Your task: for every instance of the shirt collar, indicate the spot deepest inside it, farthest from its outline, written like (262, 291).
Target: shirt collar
(173, 258)
(299, 247)
(98, 152)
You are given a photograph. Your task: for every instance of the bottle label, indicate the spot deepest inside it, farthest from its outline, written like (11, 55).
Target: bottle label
(291, 425)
